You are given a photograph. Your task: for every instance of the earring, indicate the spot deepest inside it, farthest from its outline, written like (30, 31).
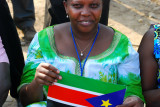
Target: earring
(67, 16)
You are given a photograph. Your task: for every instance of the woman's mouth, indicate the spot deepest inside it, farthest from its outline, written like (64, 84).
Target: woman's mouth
(85, 23)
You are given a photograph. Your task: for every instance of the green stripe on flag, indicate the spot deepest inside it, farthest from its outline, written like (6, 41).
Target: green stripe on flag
(89, 84)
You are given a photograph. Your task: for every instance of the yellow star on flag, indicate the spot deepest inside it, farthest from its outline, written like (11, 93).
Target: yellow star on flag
(106, 103)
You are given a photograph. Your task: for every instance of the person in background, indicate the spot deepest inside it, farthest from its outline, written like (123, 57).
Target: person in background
(12, 46)
(55, 13)
(149, 53)
(24, 17)
(5, 81)
(105, 53)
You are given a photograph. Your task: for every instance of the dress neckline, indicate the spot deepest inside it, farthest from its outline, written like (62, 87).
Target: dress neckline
(105, 53)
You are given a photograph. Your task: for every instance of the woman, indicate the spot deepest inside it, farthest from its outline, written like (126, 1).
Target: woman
(111, 56)
(149, 64)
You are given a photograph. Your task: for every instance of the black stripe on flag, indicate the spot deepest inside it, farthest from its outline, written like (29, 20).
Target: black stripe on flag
(51, 103)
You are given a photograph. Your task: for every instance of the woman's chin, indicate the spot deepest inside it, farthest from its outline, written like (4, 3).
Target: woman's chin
(86, 28)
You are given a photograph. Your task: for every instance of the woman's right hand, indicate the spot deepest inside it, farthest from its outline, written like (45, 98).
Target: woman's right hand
(46, 74)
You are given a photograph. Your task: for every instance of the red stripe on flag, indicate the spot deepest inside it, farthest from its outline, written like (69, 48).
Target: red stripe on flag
(69, 95)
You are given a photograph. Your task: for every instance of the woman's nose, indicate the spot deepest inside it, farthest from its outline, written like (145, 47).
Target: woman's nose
(85, 12)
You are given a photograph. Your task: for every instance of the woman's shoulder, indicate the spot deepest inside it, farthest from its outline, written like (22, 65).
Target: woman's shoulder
(51, 29)
(114, 31)
(62, 25)
(44, 33)
(153, 31)
(146, 46)
(117, 34)
(149, 34)
(119, 39)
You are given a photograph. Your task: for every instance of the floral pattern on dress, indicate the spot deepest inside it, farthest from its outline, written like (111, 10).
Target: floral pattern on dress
(157, 49)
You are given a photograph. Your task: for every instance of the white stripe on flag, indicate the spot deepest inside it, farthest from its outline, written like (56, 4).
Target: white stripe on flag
(78, 89)
(64, 102)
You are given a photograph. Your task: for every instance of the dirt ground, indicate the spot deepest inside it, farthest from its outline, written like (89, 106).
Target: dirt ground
(131, 17)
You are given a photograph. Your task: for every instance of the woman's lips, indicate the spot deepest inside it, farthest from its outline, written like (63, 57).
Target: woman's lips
(85, 23)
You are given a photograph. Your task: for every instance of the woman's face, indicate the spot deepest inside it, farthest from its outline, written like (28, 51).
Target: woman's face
(84, 14)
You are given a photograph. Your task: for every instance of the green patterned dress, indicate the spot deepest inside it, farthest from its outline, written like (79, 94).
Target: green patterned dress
(119, 64)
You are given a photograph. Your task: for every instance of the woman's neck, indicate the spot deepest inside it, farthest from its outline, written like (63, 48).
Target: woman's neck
(84, 35)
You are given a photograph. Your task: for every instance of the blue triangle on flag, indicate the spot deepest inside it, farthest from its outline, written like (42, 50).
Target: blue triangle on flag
(108, 100)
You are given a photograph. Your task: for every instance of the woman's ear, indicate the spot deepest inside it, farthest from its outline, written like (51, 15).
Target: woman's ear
(65, 6)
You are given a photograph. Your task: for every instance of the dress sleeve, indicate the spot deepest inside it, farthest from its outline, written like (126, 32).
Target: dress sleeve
(34, 58)
(3, 55)
(129, 74)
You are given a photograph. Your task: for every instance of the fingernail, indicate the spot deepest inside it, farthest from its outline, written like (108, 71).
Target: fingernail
(60, 77)
(55, 80)
(58, 71)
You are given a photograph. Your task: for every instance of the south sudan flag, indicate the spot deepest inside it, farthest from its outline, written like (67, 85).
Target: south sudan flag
(77, 91)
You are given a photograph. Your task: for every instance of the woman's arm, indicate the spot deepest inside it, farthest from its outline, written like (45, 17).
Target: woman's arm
(36, 74)
(5, 82)
(31, 93)
(46, 74)
(149, 70)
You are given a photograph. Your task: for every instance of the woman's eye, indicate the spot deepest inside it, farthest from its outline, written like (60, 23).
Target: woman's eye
(77, 5)
(94, 5)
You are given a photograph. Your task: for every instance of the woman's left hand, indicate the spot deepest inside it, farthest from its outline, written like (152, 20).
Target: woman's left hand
(132, 101)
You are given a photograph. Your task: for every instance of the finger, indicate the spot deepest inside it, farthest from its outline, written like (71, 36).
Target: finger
(45, 67)
(45, 77)
(55, 70)
(131, 104)
(53, 75)
(124, 105)
(42, 82)
(49, 73)
(51, 67)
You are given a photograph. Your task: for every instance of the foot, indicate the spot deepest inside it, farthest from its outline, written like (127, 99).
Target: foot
(29, 33)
